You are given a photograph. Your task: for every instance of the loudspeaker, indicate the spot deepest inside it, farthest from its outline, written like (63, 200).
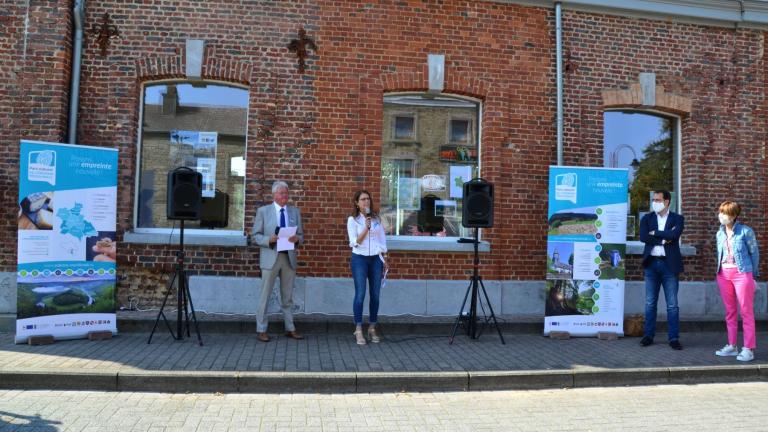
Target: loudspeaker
(477, 211)
(426, 218)
(184, 197)
(215, 211)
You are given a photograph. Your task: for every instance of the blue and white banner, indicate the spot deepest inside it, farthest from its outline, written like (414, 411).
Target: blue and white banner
(66, 240)
(586, 249)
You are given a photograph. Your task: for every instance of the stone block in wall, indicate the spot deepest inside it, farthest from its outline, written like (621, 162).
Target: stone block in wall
(7, 293)
(523, 297)
(238, 295)
(444, 297)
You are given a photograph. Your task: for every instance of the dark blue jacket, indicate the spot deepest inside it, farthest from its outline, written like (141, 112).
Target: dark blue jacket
(672, 230)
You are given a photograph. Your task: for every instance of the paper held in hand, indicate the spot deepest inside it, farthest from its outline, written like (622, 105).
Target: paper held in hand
(283, 244)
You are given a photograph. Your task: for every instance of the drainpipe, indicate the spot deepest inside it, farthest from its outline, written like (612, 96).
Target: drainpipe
(559, 61)
(78, 14)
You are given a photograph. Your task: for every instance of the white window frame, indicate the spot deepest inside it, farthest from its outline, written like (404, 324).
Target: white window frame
(192, 236)
(635, 247)
(433, 243)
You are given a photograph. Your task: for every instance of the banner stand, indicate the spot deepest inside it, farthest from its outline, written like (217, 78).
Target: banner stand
(67, 244)
(586, 252)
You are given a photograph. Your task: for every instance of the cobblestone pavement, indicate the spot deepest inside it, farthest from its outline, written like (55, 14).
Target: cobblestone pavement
(330, 352)
(654, 408)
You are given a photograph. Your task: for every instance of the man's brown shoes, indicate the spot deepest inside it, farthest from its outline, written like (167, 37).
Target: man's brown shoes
(263, 337)
(294, 335)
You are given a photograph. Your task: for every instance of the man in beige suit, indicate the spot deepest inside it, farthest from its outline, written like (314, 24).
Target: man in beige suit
(269, 219)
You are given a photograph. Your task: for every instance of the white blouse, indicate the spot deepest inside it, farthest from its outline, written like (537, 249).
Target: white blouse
(373, 244)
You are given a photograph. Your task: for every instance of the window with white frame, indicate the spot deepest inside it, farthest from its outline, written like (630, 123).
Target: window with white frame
(200, 125)
(423, 176)
(646, 144)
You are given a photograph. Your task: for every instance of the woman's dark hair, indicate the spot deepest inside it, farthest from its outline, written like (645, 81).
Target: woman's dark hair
(356, 210)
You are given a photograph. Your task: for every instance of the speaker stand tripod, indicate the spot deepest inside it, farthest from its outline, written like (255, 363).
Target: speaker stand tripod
(182, 294)
(475, 283)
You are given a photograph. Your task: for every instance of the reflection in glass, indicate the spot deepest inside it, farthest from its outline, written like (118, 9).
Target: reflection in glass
(419, 194)
(202, 126)
(643, 143)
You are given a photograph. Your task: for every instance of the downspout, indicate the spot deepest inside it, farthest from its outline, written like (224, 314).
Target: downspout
(78, 14)
(559, 62)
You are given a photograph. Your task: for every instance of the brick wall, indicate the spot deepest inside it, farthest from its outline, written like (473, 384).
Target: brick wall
(322, 130)
(34, 95)
(720, 70)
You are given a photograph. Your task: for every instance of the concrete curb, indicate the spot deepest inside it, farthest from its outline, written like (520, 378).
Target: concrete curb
(370, 382)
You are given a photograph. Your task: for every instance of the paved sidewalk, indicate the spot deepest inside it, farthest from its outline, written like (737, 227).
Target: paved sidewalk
(332, 362)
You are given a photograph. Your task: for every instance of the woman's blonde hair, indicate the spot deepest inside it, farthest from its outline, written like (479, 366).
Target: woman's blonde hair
(730, 208)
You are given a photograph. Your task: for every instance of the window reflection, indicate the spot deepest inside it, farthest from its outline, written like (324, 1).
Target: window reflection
(643, 143)
(201, 126)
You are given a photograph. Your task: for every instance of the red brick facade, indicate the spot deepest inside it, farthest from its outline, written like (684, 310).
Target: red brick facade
(321, 131)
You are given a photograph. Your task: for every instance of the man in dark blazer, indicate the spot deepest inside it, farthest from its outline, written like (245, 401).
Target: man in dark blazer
(269, 219)
(662, 263)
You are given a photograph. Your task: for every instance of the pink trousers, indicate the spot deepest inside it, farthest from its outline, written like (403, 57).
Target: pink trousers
(738, 292)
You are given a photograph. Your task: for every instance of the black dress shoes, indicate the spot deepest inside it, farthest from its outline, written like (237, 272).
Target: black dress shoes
(675, 344)
(645, 341)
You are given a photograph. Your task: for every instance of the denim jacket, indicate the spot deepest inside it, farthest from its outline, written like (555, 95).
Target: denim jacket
(745, 250)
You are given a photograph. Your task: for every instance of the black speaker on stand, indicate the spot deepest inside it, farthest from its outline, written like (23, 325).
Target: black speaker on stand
(477, 212)
(184, 199)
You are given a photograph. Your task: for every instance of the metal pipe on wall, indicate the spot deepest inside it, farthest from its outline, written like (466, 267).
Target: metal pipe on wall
(78, 15)
(559, 64)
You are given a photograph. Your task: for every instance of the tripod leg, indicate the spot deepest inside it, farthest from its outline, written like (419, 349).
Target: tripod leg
(194, 317)
(493, 315)
(458, 318)
(185, 298)
(165, 300)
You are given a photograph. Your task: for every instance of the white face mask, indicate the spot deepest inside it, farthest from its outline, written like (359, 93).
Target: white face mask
(657, 206)
(724, 219)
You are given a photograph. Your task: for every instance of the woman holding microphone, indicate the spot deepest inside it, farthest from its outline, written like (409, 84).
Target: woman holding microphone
(369, 253)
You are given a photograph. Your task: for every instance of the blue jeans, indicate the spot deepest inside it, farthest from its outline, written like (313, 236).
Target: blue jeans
(366, 269)
(657, 274)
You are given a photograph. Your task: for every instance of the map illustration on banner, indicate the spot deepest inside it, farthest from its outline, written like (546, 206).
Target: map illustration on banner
(66, 240)
(586, 250)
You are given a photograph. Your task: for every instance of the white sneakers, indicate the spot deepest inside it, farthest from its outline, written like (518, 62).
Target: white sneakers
(727, 351)
(745, 355)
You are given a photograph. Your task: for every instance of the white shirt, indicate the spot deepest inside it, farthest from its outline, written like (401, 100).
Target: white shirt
(662, 220)
(373, 244)
(277, 212)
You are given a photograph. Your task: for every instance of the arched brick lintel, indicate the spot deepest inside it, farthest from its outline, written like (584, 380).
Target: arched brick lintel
(419, 82)
(173, 67)
(633, 98)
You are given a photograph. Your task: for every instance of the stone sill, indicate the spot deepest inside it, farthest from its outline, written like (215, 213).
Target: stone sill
(433, 244)
(636, 248)
(218, 238)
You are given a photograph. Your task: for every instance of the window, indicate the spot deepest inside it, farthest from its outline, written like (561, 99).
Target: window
(460, 132)
(405, 128)
(201, 126)
(422, 180)
(645, 143)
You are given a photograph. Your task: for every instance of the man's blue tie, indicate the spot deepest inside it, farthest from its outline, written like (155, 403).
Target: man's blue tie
(282, 218)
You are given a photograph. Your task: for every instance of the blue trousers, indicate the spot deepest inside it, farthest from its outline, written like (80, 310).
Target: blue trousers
(657, 274)
(366, 269)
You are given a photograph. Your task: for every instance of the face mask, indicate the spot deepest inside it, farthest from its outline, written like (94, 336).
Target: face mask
(657, 206)
(724, 219)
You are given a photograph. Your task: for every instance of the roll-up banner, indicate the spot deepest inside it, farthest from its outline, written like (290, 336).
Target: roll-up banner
(586, 249)
(66, 240)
